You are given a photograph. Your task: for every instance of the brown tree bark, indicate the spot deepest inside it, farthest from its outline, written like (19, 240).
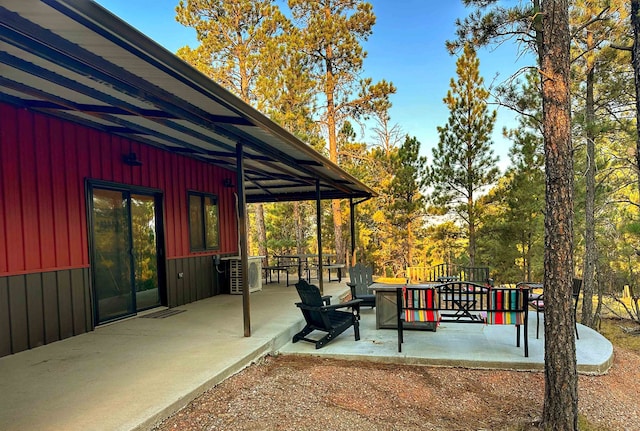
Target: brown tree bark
(336, 210)
(410, 244)
(561, 383)
(261, 231)
(297, 215)
(330, 88)
(590, 252)
(472, 230)
(635, 60)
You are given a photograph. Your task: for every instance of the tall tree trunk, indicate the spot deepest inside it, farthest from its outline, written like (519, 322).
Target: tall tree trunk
(336, 210)
(529, 264)
(561, 383)
(261, 230)
(338, 231)
(472, 232)
(635, 60)
(409, 244)
(590, 253)
(297, 216)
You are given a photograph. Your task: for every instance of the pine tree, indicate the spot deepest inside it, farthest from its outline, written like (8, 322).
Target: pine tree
(524, 197)
(332, 31)
(287, 96)
(635, 60)
(234, 36)
(544, 25)
(512, 236)
(561, 386)
(236, 42)
(594, 24)
(463, 162)
(407, 190)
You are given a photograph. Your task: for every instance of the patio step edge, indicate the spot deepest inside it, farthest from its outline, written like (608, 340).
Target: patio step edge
(268, 347)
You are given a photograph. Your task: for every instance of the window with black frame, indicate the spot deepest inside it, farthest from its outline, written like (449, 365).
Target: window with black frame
(203, 222)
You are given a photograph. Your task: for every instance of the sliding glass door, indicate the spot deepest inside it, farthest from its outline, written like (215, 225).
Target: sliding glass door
(125, 249)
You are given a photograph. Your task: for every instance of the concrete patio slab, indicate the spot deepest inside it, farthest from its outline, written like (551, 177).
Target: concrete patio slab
(131, 374)
(469, 345)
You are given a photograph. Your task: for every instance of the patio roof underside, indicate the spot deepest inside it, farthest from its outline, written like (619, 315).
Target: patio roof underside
(75, 60)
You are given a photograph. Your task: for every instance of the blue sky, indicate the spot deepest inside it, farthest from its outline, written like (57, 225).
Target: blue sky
(406, 48)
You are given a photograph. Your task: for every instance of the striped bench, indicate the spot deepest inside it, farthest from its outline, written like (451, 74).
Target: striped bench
(465, 303)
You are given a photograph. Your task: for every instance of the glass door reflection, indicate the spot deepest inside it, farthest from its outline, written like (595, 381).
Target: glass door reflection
(112, 255)
(125, 253)
(145, 257)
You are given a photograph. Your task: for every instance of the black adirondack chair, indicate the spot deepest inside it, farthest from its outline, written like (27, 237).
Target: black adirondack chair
(325, 317)
(360, 278)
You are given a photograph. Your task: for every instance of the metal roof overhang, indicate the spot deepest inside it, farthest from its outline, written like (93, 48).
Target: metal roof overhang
(75, 60)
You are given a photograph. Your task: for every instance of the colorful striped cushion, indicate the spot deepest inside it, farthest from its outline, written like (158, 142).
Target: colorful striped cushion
(421, 316)
(419, 305)
(506, 299)
(505, 318)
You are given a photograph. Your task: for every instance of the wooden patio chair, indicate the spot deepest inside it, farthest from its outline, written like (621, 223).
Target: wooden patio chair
(324, 317)
(360, 278)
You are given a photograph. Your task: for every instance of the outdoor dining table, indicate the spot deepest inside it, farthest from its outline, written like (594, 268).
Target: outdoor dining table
(461, 304)
(534, 297)
(304, 261)
(286, 258)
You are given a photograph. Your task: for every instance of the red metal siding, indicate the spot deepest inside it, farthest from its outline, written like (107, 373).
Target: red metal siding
(74, 193)
(44, 193)
(4, 139)
(180, 201)
(14, 246)
(43, 165)
(60, 219)
(83, 136)
(29, 203)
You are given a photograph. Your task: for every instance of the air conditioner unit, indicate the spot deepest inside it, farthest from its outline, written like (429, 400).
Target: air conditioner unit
(255, 274)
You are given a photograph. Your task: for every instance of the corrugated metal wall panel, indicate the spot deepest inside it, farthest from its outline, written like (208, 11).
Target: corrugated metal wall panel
(35, 309)
(18, 314)
(58, 183)
(172, 282)
(199, 280)
(51, 312)
(44, 162)
(27, 186)
(4, 139)
(44, 193)
(181, 203)
(78, 293)
(74, 188)
(84, 136)
(40, 308)
(65, 304)
(5, 323)
(12, 204)
(88, 317)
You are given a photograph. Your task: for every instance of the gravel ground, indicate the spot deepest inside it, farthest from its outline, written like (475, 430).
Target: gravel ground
(292, 393)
